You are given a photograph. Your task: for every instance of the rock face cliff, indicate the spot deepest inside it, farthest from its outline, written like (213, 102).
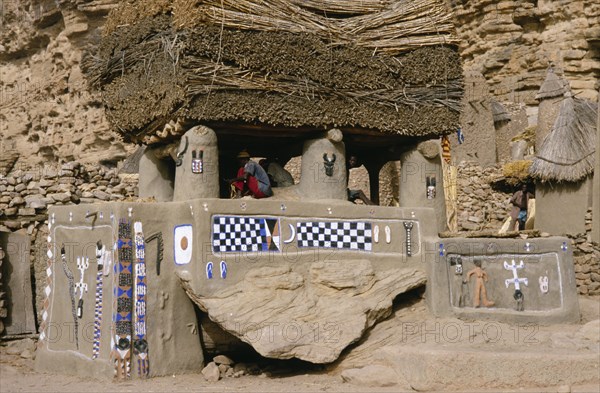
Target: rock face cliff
(512, 43)
(46, 111)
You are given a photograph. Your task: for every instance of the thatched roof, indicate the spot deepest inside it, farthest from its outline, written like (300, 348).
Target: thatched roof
(385, 65)
(499, 113)
(553, 86)
(132, 163)
(567, 152)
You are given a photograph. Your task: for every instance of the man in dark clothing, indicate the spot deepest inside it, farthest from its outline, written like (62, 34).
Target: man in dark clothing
(519, 202)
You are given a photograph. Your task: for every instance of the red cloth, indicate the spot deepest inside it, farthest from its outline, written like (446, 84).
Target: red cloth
(251, 185)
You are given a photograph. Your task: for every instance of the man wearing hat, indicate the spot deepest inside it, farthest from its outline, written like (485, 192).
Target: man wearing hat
(251, 178)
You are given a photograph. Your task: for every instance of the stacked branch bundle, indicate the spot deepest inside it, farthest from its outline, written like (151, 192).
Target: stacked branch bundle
(384, 65)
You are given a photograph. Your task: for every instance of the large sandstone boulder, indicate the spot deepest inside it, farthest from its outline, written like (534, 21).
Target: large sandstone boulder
(310, 314)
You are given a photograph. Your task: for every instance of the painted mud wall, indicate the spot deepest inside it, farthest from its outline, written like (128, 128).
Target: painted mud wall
(540, 269)
(569, 203)
(70, 340)
(194, 249)
(303, 235)
(16, 277)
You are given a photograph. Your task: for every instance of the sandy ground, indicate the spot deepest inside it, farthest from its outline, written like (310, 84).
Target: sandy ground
(17, 373)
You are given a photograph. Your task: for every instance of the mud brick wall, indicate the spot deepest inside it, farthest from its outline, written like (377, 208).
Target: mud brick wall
(26, 194)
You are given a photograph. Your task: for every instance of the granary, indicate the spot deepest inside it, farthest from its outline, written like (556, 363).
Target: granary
(564, 162)
(549, 96)
(477, 124)
(502, 123)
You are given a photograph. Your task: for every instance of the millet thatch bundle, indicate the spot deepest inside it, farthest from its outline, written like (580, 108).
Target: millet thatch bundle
(385, 65)
(516, 172)
(567, 152)
(392, 27)
(528, 135)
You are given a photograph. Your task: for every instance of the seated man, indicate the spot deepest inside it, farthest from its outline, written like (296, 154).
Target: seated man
(251, 179)
(277, 174)
(353, 195)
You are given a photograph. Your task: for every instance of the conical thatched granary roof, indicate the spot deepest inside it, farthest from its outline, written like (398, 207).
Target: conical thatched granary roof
(386, 66)
(553, 86)
(499, 113)
(132, 163)
(567, 153)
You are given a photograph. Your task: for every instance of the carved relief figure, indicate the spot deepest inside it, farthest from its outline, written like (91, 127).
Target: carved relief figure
(328, 163)
(480, 278)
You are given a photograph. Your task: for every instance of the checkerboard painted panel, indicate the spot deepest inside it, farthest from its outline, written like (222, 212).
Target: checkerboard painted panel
(239, 234)
(345, 235)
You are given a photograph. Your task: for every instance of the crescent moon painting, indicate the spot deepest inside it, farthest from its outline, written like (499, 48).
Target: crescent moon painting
(293, 232)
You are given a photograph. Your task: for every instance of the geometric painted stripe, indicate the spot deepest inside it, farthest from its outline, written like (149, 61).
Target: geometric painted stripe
(98, 306)
(239, 234)
(245, 234)
(122, 319)
(47, 290)
(140, 344)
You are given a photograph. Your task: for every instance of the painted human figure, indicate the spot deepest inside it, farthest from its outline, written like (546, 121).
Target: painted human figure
(251, 178)
(519, 202)
(480, 278)
(353, 195)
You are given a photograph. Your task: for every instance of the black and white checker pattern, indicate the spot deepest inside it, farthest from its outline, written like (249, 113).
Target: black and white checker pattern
(346, 235)
(238, 234)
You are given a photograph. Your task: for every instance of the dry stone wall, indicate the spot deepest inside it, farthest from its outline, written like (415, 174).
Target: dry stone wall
(479, 206)
(587, 260)
(26, 194)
